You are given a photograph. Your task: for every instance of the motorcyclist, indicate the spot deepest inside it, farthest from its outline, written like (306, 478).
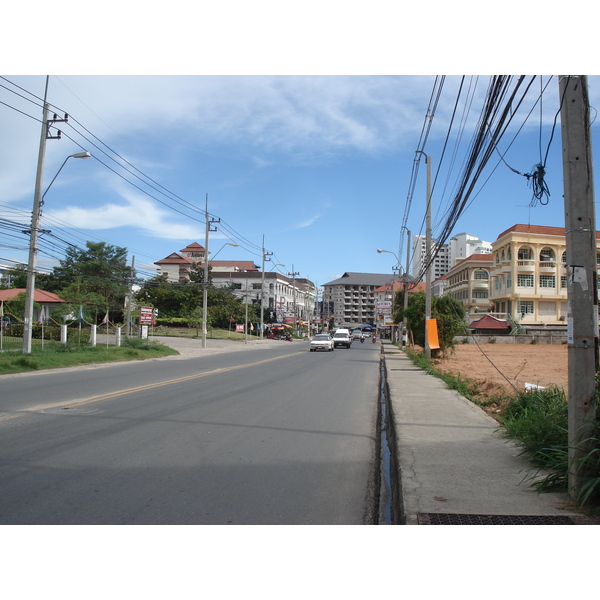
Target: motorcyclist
(374, 338)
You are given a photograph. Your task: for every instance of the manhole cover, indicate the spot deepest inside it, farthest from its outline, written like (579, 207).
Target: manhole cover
(464, 519)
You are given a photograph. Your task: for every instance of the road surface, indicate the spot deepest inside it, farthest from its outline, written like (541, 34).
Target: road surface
(272, 435)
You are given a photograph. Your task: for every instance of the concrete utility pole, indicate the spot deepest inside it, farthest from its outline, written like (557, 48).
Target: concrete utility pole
(35, 218)
(405, 320)
(265, 257)
(293, 276)
(428, 257)
(580, 225)
(129, 296)
(209, 222)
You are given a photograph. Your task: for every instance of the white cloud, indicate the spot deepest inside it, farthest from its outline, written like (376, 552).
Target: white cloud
(307, 222)
(135, 211)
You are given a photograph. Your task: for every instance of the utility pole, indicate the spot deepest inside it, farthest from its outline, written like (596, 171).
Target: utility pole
(35, 219)
(129, 295)
(580, 226)
(293, 275)
(265, 258)
(209, 222)
(428, 256)
(405, 320)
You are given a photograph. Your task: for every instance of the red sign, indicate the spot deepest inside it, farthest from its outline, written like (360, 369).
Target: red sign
(146, 315)
(239, 329)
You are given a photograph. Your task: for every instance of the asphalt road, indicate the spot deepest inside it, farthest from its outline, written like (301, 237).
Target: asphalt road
(272, 435)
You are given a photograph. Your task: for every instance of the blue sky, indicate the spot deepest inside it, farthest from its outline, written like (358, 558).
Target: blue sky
(319, 164)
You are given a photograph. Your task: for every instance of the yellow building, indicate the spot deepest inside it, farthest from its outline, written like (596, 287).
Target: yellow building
(529, 275)
(468, 282)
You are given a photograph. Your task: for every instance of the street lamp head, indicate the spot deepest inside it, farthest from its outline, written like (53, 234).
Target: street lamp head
(380, 250)
(232, 244)
(81, 155)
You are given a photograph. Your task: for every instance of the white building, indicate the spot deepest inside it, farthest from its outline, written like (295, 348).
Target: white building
(463, 245)
(289, 299)
(441, 262)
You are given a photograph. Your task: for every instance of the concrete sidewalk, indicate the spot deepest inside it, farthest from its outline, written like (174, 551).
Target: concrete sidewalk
(454, 467)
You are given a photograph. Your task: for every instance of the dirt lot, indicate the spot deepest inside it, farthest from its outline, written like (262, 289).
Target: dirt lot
(539, 364)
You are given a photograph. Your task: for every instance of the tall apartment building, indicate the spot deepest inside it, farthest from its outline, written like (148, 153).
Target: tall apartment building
(441, 263)
(459, 247)
(463, 245)
(351, 297)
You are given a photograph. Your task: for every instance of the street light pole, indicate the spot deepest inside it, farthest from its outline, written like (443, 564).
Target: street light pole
(293, 274)
(265, 257)
(394, 269)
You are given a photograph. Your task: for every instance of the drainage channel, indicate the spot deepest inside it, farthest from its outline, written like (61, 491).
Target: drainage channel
(389, 489)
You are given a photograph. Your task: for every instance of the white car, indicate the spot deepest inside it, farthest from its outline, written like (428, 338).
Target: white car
(321, 341)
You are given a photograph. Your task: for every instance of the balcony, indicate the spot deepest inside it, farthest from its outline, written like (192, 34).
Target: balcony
(526, 265)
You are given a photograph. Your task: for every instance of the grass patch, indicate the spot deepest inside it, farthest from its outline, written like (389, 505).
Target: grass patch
(67, 355)
(537, 421)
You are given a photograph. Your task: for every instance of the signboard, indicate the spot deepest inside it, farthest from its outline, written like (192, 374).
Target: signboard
(383, 304)
(146, 315)
(287, 319)
(384, 307)
(239, 328)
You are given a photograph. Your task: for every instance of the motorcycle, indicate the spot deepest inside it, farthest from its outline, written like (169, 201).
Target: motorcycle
(374, 339)
(362, 340)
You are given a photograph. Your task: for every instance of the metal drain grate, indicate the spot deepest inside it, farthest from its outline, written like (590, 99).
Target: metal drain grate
(460, 519)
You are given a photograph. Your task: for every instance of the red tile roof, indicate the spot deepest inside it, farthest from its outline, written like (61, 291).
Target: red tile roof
(174, 259)
(243, 265)
(38, 296)
(537, 230)
(489, 322)
(194, 247)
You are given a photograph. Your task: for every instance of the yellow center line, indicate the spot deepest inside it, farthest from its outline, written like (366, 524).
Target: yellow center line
(141, 388)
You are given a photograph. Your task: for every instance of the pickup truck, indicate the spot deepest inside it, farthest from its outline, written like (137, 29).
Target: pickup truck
(342, 337)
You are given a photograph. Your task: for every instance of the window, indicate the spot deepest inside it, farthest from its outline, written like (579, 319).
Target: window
(547, 281)
(480, 293)
(563, 282)
(547, 255)
(481, 274)
(525, 280)
(525, 253)
(526, 307)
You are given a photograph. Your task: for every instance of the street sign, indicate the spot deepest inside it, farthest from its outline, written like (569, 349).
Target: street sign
(146, 315)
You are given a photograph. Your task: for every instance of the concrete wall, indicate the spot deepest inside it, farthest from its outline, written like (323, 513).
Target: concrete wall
(542, 338)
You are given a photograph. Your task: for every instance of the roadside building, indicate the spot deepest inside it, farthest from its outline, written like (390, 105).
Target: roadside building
(47, 301)
(176, 267)
(288, 299)
(468, 282)
(351, 297)
(529, 275)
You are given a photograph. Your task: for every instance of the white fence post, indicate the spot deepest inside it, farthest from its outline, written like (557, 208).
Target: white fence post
(93, 335)
(63, 334)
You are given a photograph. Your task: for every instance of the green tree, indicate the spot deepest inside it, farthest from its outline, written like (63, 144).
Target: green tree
(171, 299)
(450, 315)
(101, 270)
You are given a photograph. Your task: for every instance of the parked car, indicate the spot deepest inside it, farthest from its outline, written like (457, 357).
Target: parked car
(6, 321)
(322, 341)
